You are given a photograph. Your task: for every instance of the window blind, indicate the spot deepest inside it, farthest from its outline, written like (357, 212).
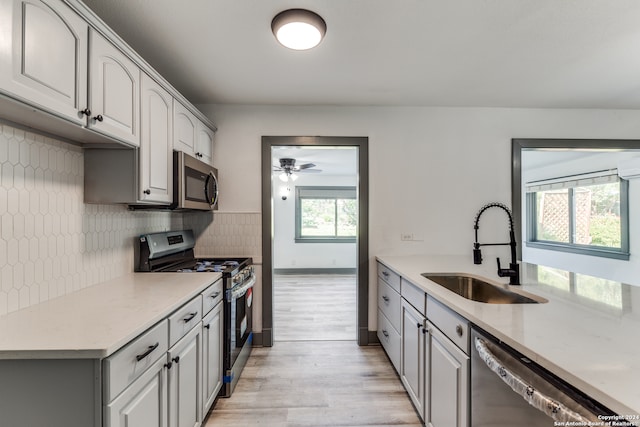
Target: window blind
(573, 181)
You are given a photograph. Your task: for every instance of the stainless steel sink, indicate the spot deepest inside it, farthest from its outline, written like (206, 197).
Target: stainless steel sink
(475, 289)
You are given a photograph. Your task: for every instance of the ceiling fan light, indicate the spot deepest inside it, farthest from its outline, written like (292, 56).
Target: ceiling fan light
(293, 176)
(283, 177)
(298, 29)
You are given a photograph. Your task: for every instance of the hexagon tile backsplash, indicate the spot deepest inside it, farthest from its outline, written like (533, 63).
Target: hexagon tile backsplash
(51, 243)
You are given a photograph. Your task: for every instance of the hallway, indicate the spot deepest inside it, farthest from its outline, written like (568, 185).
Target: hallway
(314, 307)
(316, 383)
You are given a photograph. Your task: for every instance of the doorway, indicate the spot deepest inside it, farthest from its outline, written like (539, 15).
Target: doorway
(277, 274)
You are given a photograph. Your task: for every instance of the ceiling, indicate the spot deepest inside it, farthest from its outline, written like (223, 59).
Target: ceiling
(330, 160)
(482, 53)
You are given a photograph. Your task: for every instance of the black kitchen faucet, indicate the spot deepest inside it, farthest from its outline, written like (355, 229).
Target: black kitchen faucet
(513, 272)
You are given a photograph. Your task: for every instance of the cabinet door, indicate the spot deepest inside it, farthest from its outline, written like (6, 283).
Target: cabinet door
(412, 355)
(212, 357)
(204, 144)
(447, 383)
(185, 377)
(143, 403)
(156, 161)
(45, 63)
(185, 127)
(114, 96)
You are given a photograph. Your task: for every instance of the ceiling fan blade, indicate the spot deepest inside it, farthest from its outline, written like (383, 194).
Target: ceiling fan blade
(305, 166)
(309, 171)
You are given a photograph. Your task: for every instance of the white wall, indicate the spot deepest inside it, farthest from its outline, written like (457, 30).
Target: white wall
(430, 169)
(289, 254)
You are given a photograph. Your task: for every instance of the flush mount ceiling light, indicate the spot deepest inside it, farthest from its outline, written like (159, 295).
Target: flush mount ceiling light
(298, 29)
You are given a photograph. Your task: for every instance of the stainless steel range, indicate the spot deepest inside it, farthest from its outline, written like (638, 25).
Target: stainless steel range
(173, 252)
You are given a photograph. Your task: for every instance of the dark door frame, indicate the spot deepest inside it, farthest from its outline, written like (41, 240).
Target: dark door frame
(362, 143)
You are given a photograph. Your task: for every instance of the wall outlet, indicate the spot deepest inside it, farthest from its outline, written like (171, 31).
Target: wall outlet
(406, 237)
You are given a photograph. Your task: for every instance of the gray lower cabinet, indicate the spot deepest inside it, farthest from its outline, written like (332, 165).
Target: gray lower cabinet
(168, 376)
(212, 325)
(143, 403)
(446, 382)
(184, 380)
(433, 345)
(413, 355)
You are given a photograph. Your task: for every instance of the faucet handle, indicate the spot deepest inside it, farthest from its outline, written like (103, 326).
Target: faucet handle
(477, 256)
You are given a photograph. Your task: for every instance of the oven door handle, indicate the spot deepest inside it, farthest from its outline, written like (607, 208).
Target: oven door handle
(541, 402)
(239, 291)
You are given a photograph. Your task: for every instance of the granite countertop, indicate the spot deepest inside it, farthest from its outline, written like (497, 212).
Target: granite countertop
(586, 333)
(96, 321)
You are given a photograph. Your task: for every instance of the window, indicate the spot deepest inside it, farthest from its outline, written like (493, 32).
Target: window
(586, 214)
(326, 214)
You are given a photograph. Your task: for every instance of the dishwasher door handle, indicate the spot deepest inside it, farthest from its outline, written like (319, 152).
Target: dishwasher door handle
(540, 401)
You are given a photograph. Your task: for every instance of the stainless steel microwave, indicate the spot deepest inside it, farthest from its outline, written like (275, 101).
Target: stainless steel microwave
(195, 183)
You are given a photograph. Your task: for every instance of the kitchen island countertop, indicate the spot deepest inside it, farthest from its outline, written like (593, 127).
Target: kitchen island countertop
(590, 343)
(96, 321)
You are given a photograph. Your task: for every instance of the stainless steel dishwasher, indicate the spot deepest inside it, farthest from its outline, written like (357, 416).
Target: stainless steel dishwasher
(507, 389)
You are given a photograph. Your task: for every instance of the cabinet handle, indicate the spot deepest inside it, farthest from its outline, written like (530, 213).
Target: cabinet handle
(86, 112)
(385, 273)
(176, 359)
(215, 295)
(190, 317)
(98, 118)
(385, 333)
(419, 324)
(148, 352)
(459, 330)
(207, 326)
(168, 365)
(385, 298)
(147, 191)
(198, 154)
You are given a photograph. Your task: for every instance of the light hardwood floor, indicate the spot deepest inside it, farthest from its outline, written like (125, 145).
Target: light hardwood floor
(316, 374)
(316, 383)
(314, 307)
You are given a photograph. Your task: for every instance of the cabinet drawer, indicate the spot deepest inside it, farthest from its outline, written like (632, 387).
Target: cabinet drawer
(390, 339)
(211, 296)
(454, 326)
(414, 296)
(389, 276)
(184, 319)
(389, 303)
(128, 363)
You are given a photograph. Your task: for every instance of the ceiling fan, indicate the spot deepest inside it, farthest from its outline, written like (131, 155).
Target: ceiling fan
(289, 169)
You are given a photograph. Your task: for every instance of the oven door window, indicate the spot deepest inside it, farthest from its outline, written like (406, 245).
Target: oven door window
(241, 318)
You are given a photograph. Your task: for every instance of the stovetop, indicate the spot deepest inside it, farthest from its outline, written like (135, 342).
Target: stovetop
(217, 265)
(172, 251)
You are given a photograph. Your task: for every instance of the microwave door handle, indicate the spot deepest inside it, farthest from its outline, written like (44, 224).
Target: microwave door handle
(214, 199)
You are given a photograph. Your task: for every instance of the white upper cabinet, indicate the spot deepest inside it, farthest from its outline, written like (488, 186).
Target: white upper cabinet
(185, 125)
(46, 62)
(156, 160)
(57, 58)
(114, 91)
(204, 144)
(191, 135)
